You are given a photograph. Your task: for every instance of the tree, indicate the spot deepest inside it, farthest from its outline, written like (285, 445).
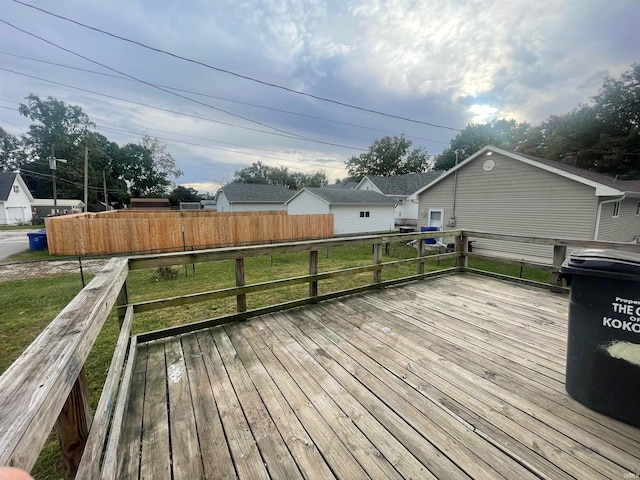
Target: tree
(507, 134)
(258, 172)
(183, 194)
(11, 153)
(388, 156)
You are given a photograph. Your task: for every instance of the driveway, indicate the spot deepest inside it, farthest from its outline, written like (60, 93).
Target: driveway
(13, 241)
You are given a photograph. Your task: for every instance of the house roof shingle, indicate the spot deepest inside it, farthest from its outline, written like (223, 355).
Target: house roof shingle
(337, 196)
(343, 186)
(6, 182)
(256, 193)
(404, 184)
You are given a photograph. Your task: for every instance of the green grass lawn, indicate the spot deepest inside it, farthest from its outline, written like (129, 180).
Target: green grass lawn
(29, 305)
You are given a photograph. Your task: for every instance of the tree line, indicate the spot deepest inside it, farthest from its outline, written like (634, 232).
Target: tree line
(144, 169)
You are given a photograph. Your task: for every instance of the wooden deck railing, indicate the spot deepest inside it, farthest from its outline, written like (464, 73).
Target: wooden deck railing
(46, 385)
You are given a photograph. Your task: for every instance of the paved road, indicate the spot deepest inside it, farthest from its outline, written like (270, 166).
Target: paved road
(13, 241)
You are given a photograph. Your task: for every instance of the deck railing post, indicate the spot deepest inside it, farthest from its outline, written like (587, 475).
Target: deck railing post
(559, 254)
(420, 269)
(73, 425)
(241, 300)
(121, 303)
(313, 269)
(462, 247)
(377, 260)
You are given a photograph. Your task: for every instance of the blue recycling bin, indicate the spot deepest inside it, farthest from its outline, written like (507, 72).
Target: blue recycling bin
(37, 240)
(429, 241)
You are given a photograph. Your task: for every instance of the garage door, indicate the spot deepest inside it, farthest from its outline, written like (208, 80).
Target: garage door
(15, 215)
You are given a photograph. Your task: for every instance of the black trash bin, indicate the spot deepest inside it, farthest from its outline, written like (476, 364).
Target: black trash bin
(603, 349)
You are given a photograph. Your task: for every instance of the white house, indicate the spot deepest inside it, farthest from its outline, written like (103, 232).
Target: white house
(354, 211)
(15, 200)
(500, 191)
(252, 197)
(403, 189)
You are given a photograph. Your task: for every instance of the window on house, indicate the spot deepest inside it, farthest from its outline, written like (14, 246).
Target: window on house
(16, 188)
(616, 209)
(364, 214)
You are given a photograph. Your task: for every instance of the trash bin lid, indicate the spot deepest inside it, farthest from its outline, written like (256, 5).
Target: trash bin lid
(614, 261)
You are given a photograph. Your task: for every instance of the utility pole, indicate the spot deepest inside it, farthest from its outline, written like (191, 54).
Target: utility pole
(86, 177)
(104, 186)
(53, 167)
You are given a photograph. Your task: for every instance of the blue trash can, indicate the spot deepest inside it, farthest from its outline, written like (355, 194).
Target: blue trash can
(37, 240)
(429, 241)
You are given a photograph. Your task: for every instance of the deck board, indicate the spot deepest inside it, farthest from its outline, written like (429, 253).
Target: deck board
(455, 377)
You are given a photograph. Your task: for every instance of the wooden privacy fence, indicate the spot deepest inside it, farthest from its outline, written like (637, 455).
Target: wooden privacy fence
(123, 232)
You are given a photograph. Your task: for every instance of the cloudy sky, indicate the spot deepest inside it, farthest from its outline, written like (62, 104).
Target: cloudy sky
(440, 63)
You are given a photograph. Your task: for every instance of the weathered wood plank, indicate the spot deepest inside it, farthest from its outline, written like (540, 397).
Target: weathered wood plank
(244, 451)
(494, 396)
(464, 450)
(214, 452)
(155, 457)
(90, 464)
(73, 425)
(34, 388)
(307, 457)
(110, 462)
(368, 456)
(336, 454)
(128, 457)
(273, 449)
(358, 402)
(185, 451)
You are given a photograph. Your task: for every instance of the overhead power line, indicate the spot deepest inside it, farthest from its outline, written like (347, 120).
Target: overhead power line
(225, 99)
(235, 74)
(179, 113)
(144, 82)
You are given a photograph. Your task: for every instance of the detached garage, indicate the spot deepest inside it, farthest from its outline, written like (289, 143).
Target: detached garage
(354, 211)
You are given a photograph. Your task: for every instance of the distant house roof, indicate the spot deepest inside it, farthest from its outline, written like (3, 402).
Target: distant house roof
(7, 180)
(256, 193)
(343, 186)
(403, 184)
(62, 202)
(604, 185)
(154, 203)
(336, 196)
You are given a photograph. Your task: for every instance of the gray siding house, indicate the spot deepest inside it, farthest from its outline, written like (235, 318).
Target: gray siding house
(354, 211)
(507, 192)
(403, 189)
(252, 197)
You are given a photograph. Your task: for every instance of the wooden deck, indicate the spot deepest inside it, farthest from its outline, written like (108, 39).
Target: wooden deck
(455, 377)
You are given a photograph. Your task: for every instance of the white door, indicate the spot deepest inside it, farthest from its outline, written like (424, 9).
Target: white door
(436, 216)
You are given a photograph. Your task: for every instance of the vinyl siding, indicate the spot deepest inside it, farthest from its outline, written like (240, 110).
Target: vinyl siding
(307, 203)
(368, 185)
(256, 207)
(223, 203)
(513, 198)
(347, 220)
(623, 228)
(17, 208)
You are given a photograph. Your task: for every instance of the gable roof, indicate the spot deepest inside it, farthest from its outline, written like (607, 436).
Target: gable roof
(403, 184)
(604, 185)
(256, 193)
(7, 180)
(343, 186)
(338, 196)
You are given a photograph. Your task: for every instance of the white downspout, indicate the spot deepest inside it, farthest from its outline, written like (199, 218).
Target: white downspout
(599, 214)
